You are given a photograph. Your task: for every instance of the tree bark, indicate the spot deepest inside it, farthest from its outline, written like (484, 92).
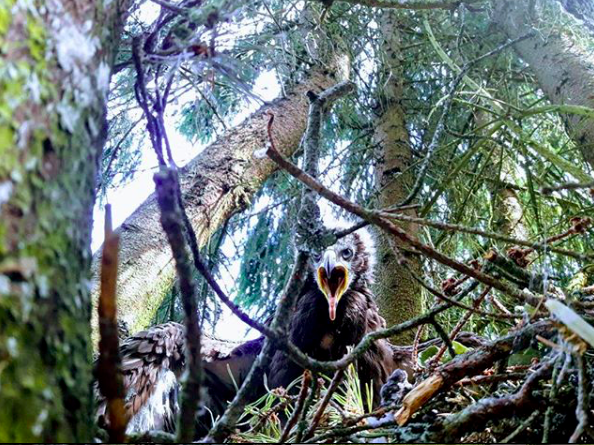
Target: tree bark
(563, 66)
(56, 61)
(398, 294)
(218, 183)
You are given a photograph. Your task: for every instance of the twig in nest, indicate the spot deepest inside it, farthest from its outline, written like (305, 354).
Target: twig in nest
(109, 363)
(476, 303)
(465, 365)
(581, 410)
(476, 415)
(316, 385)
(415, 347)
(320, 412)
(298, 407)
(521, 427)
(494, 378)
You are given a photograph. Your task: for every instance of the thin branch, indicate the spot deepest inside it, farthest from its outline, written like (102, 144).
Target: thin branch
(226, 423)
(492, 378)
(322, 408)
(476, 303)
(540, 246)
(347, 431)
(581, 410)
(204, 270)
(378, 219)
(410, 4)
(447, 342)
(167, 187)
(109, 374)
(305, 382)
(567, 186)
(521, 427)
(454, 302)
(313, 394)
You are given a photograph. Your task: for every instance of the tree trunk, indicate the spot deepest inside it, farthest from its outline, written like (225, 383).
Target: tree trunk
(56, 65)
(563, 66)
(398, 294)
(218, 183)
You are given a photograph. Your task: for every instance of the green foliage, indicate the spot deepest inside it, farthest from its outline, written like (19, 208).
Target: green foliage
(262, 420)
(501, 137)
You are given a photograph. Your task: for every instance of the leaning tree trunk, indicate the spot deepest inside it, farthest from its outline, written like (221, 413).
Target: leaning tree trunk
(563, 66)
(55, 67)
(216, 184)
(398, 294)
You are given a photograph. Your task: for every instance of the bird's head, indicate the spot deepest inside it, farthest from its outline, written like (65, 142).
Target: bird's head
(340, 266)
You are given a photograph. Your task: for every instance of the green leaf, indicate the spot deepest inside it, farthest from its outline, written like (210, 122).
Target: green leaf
(523, 358)
(424, 356)
(459, 348)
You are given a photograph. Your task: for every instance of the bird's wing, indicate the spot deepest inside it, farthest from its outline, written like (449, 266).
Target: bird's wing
(226, 365)
(152, 364)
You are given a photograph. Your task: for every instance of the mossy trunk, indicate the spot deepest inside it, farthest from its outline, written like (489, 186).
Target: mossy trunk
(55, 65)
(218, 183)
(558, 57)
(398, 295)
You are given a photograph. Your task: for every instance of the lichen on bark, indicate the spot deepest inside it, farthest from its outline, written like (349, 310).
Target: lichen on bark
(398, 294)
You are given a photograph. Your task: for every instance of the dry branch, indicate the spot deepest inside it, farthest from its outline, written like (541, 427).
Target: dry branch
(469, 364)
(305, 382)
(172, 221)
(109, 363)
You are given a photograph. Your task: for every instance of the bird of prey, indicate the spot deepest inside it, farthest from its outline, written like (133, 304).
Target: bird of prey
(334, 311)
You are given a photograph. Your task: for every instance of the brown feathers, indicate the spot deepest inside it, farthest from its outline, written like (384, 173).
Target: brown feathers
(153, 360)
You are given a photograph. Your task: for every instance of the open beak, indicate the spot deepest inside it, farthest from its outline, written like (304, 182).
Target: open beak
(333, 279)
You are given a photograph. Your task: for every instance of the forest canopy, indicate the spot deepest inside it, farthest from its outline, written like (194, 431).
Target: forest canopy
(337, 221)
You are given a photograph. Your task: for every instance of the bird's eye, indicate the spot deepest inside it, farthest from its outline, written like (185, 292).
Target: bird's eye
(347, 253)
(317, 257)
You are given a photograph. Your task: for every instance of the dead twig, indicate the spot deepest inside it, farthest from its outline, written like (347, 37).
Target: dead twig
(476, 303)
(324, 404)
(305, 382)
(581, 410)
(521, 427)
(109, 374)
(465, 365)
